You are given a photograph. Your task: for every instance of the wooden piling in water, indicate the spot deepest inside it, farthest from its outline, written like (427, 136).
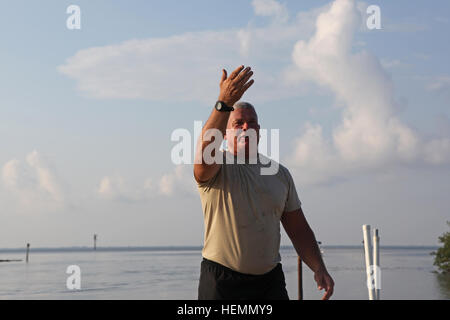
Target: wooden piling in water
(28, 251)
(376, 262)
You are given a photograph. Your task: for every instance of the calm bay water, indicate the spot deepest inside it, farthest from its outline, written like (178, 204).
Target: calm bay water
(149, 273)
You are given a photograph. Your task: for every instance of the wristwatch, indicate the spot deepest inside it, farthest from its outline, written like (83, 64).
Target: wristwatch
(221, 106)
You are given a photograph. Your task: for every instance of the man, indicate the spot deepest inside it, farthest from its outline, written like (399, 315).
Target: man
(243, 208)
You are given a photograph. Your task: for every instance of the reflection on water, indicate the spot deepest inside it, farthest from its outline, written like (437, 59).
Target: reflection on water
(443, 281)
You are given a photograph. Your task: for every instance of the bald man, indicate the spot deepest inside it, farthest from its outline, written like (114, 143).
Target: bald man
(243, 208)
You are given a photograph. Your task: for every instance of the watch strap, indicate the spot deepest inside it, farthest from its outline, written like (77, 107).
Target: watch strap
(224, 107)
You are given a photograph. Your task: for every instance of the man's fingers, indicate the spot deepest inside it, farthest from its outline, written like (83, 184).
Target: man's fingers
(247, 85)
(244, 73)
(224, 75)
(320, 282)
(329, 288)
(328, 293)
(236, 72)
(243, 78)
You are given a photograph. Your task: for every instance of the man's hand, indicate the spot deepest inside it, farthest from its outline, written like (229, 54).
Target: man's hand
(233, 87)
(324, 281)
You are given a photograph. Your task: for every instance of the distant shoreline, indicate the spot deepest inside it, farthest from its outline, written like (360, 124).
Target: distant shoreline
(185, 248)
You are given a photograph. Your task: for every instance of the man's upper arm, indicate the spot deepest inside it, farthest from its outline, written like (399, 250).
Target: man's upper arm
(203, 172)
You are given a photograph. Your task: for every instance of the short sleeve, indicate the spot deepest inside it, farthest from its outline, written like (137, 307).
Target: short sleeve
(210, 182)
(207, 184)
(292, 201)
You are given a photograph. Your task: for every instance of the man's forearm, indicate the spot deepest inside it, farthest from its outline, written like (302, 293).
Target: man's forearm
(217, 120)
(305, 244)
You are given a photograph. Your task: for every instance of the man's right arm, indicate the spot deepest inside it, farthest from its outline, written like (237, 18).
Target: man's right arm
(231, 90)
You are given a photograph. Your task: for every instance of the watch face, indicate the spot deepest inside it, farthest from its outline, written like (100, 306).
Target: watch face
(221, 106)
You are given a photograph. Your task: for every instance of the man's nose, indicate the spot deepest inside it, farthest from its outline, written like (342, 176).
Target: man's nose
(245, 126)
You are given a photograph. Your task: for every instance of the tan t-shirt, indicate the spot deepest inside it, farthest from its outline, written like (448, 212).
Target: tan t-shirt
(242, 211)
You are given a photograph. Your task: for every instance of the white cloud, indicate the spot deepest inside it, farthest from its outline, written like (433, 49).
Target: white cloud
(113, 188)
(153, 68)
(270, 8)
(116, 188)
(32, 184)
(370, 134)
(10, 174)
(187, 67)
(45, 177)
(178, 182)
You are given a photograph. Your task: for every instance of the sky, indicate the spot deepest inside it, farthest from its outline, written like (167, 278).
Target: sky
(86, 115)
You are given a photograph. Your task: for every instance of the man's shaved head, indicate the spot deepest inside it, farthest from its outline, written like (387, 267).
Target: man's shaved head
(245, 105)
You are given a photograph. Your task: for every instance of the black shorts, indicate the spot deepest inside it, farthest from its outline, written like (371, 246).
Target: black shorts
(218, 282)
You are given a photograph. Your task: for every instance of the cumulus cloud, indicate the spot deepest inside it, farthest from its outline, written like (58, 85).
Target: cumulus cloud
(370, 133)
(32, 183)
(178, 182)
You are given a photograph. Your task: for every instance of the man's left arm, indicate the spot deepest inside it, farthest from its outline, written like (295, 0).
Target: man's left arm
(304, 241)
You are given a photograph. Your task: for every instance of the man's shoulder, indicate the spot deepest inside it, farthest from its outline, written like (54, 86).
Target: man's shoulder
(267, 162)
(284, 172)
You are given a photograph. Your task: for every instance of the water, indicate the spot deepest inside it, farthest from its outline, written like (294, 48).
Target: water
(147, 273)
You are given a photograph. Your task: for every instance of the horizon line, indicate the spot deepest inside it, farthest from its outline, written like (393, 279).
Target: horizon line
(195, 247)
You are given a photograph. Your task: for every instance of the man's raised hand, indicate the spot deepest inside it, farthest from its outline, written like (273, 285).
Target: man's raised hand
(233, 87)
